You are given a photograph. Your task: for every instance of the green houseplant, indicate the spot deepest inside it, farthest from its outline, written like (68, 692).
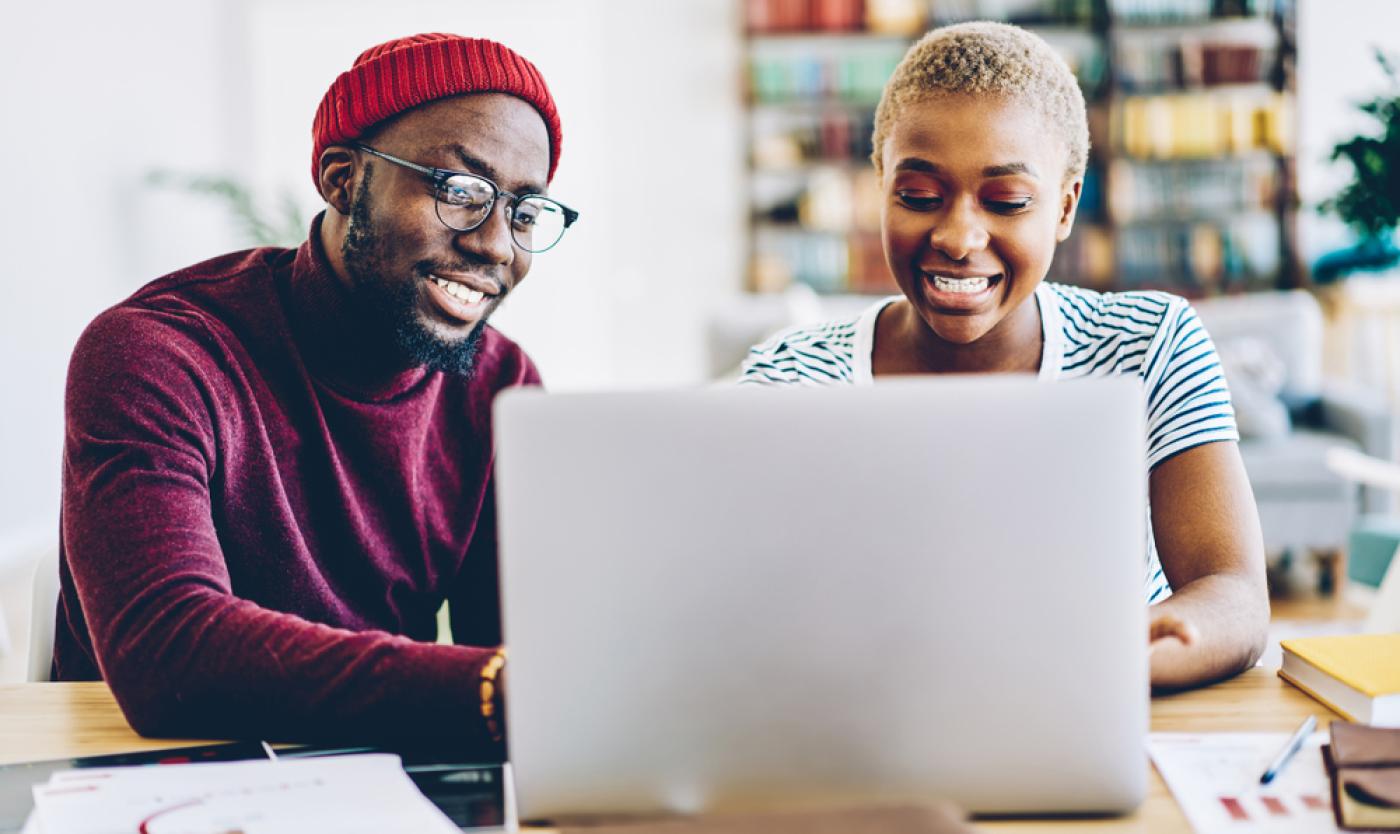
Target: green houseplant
(1370, 203)
(286, 228)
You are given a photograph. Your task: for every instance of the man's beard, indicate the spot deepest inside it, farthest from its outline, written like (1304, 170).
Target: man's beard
(390, 306)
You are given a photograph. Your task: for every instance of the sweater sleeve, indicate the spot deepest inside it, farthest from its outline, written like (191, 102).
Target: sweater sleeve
(183, 655)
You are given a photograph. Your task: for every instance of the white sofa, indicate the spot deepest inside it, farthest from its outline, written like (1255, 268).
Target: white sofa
(1303, 505)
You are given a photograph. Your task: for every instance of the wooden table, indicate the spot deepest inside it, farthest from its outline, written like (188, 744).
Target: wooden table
(59, 720)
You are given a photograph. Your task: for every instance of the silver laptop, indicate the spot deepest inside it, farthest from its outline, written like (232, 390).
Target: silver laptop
(725, 599)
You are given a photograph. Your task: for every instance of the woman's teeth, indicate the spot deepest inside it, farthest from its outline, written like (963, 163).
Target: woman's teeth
(960, 285)
(459, 291)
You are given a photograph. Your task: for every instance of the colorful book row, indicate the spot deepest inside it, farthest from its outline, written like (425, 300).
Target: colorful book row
(1203, 125)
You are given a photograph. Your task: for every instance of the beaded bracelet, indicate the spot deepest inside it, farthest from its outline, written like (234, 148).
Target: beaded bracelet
(489, 672)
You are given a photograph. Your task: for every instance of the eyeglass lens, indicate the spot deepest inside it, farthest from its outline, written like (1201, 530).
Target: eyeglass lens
(463, 203)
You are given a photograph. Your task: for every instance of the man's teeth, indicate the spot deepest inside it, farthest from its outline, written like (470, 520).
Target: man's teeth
(460, 292)
(962, 285)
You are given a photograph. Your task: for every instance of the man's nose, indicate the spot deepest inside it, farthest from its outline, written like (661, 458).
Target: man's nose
(491, 242)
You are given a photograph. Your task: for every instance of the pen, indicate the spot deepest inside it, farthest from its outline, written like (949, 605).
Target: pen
(1286, 754)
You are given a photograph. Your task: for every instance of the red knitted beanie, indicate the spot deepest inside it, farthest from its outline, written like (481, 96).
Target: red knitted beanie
(400, 74)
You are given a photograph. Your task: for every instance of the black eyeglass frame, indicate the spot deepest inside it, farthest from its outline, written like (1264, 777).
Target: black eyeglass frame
(440, 176)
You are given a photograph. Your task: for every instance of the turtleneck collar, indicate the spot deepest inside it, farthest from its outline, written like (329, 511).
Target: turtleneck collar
(329, 328)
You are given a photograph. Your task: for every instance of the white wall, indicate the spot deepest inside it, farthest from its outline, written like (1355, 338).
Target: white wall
(649, 100)
(1336, 69)
(96, 95)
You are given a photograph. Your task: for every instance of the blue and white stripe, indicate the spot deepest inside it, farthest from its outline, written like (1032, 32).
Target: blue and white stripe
(1151, 335)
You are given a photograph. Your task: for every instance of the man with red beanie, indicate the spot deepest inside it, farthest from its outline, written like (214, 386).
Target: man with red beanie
(277, 463)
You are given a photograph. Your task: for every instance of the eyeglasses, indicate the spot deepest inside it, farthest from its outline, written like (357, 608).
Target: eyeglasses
(464, 201)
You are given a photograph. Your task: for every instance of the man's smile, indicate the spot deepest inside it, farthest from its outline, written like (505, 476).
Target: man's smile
(462, 296)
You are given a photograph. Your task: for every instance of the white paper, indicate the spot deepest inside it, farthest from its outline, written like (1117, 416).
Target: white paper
(1215, 779)
(347, 794)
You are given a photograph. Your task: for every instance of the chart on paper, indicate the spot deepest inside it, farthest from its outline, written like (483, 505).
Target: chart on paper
(1215, 779)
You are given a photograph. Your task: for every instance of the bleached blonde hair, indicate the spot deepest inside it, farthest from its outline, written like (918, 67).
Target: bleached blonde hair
(986, 58)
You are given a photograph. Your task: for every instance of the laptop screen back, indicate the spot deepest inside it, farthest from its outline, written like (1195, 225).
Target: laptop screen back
(735, 598)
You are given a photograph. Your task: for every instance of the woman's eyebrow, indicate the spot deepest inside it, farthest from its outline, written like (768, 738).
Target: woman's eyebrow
(1010, 170)
(915, 164)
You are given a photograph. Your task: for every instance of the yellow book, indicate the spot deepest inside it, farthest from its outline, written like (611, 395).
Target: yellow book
(1358, 675)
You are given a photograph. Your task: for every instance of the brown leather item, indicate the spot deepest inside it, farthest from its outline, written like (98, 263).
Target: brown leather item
(1364, 764)
(930, 819)
(1361, 745)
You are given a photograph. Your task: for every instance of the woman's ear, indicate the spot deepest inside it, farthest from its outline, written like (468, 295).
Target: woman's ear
(337, 178)
(1069, 204)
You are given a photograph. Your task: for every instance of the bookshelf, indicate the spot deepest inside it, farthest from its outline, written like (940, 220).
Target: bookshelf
(1191, 182)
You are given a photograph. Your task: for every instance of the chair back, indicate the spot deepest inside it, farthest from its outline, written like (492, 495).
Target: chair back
(42, 615)
(1289, 322)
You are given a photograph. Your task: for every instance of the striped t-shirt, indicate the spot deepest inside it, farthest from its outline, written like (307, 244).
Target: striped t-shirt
(1151, 335)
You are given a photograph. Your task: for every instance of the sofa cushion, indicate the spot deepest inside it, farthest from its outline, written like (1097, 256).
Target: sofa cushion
(1295, 466)
(1256, 374)
(1289, 321)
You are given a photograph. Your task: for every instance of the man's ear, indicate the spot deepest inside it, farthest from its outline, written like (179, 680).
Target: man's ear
(1069, 204)
(337, 177)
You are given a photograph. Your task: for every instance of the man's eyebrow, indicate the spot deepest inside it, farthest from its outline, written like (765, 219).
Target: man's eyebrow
(480, 166)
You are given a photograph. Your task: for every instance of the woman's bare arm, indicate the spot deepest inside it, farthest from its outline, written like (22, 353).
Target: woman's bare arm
(1207, 532)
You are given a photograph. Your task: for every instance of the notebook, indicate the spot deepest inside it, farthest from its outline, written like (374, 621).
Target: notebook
(17, 780)
(1358, 675)
(471, 795)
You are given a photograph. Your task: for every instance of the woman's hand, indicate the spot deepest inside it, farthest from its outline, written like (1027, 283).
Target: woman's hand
(1166, 628)
(1207, 530)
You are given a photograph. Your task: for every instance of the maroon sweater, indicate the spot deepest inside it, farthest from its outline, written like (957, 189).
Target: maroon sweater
(258, 530)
